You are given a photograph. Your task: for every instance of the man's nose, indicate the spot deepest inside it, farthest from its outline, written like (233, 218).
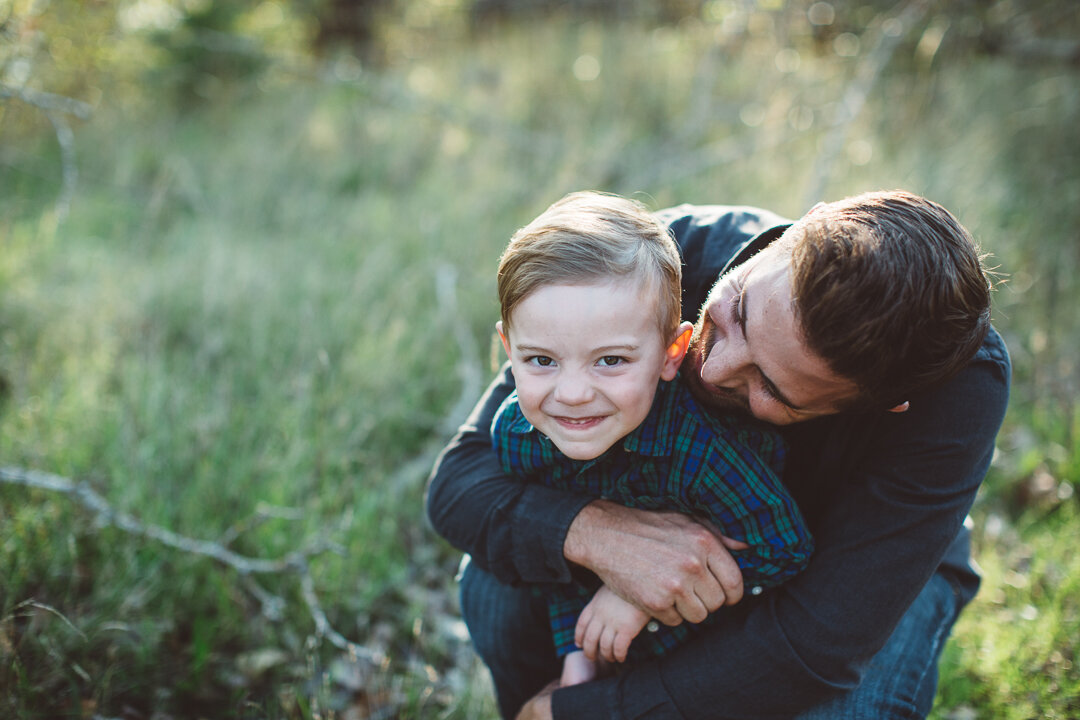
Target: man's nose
(726, 364)
(573, 388)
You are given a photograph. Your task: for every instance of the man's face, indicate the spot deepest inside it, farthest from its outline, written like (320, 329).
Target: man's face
(587, 360)
(748, 352)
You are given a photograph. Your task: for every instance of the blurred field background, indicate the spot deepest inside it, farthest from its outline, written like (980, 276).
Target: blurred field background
(247, 257)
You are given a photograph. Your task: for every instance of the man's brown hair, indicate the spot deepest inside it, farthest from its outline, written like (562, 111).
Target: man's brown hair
(890, 291)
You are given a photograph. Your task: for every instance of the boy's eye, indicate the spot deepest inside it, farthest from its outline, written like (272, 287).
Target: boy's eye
(611, 360)
(540, 360)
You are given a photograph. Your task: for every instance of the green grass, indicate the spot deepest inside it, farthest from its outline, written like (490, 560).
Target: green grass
(242, 308)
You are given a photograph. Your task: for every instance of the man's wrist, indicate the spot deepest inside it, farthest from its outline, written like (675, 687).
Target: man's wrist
(578, 542)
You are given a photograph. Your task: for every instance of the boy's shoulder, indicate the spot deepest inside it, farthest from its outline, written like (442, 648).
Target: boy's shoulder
(714, 435)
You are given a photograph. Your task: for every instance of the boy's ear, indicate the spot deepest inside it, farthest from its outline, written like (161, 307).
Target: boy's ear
(676, 351)
(902, 407)
(502, 336)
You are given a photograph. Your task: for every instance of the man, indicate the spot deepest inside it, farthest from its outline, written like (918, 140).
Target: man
(869, 305)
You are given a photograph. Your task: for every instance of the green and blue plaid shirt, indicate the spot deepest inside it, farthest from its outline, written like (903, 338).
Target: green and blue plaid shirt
(680, 458)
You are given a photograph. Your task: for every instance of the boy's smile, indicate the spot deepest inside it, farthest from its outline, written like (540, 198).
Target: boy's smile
(587, 360)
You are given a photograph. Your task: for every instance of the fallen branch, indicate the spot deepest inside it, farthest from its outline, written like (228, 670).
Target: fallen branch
(295, 563)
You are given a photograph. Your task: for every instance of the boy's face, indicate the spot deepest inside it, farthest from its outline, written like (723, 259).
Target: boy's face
(587, 360)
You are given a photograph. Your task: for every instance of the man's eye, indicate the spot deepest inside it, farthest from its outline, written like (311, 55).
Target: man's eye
(768, 392)
(611, 360)
(737, 310)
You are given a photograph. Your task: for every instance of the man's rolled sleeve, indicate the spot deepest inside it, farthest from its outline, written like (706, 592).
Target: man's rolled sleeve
(537, 528)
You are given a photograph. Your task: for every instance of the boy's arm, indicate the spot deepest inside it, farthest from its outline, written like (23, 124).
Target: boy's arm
(738, 489)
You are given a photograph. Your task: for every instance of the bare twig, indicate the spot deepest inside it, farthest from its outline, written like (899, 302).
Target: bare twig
(55, 108)
(295, 563)
(47, 102)
(66, 139)
(47, 608)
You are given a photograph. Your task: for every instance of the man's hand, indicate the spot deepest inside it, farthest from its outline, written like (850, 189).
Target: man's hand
(669, 565)
(539, 707)
(607, 625)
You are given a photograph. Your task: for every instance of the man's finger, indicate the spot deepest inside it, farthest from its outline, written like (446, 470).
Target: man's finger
(727, 573)
(691, 608)
(710, 593)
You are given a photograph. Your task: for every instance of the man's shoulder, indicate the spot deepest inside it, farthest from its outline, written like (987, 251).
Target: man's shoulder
(720, 221)
(709, 236)
(993, 351)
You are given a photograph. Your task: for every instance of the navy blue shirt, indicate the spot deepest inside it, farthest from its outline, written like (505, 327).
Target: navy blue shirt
(885, 496)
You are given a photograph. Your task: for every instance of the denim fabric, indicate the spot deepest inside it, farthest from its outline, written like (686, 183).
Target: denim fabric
(510, 631)
(901, 680)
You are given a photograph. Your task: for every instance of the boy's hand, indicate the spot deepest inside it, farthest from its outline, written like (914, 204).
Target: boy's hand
(667, 564)
(607, 625)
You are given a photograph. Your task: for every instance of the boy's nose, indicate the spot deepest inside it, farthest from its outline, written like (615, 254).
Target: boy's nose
(573, 389)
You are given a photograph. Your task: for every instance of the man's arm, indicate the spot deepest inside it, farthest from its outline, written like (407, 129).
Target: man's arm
(512, 528)
(881, 536)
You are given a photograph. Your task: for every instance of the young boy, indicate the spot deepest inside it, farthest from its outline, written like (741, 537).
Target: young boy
(590, 307)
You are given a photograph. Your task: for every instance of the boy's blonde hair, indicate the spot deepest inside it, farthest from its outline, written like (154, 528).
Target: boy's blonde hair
(589, 236)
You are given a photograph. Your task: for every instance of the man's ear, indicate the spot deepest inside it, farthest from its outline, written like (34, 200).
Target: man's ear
(902, 407)
(676, 351)
(502, 336)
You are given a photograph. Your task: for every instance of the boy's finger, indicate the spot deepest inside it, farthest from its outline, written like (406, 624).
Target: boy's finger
(607, 644)
(579, 628)
(622, 646)
(591, 640)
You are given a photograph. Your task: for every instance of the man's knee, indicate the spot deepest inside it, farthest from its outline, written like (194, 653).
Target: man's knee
(503, 621)
(511, 632)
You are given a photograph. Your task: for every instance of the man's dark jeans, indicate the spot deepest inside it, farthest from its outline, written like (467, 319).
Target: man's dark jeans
(510, 631)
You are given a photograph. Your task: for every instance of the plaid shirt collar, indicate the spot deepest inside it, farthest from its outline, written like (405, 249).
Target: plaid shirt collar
(654, 437)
